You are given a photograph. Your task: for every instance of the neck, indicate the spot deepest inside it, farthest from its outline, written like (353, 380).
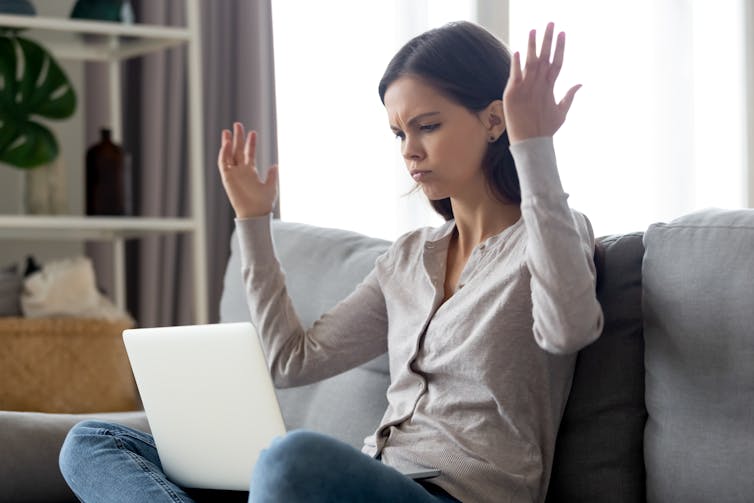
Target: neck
(477, 220)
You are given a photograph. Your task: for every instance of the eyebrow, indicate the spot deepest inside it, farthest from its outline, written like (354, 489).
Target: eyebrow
(415, 119)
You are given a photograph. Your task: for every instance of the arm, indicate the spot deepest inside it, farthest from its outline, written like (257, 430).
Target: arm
(352, 333)
(560, 247)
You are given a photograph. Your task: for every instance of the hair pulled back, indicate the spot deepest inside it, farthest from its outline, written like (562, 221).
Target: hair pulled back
(470, 66)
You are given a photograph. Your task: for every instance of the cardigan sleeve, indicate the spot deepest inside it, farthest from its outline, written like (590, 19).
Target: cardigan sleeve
(560, 251)
(351, 333)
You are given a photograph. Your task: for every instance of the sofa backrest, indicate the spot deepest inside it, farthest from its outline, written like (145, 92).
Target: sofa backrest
(599, 447)
(698, 301)
(322, 266)
(695, 285)
(661, 405)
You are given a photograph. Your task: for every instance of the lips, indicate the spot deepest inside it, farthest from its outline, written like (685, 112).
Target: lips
(419, 174)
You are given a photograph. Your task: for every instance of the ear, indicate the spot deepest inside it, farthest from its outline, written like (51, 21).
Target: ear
(493, 119)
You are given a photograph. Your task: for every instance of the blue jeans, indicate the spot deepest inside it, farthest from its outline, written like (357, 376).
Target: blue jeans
(108, 463)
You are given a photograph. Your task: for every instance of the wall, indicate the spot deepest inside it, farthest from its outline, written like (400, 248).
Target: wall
(70, 136)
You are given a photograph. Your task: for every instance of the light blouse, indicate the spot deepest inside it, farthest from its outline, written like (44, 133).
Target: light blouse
(479, 382)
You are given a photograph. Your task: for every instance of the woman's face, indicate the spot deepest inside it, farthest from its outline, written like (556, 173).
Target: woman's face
(442, 142)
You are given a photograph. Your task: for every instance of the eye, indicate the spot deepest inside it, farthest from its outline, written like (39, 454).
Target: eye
(399, 135)
(428, 128)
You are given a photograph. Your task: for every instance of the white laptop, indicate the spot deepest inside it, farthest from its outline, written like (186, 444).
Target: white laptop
(210, 401)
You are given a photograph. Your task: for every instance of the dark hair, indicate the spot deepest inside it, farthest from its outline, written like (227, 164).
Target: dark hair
(470, 66)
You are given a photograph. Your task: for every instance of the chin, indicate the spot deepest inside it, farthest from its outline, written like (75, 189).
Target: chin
(434, 195)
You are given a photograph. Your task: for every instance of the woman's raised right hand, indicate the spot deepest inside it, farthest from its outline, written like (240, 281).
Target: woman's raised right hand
(248, 194)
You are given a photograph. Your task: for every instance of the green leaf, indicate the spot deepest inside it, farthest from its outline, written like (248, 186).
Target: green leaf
(32, 85)
(34, 145)
(8, 133)
(7, 74)
(46, 93)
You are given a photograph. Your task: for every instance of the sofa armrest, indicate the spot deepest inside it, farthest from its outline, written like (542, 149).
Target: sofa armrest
(31, 443)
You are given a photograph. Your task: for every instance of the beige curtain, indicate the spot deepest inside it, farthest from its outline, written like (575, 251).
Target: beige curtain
(238, 84)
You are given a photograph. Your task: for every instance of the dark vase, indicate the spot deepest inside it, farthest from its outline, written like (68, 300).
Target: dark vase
(101, 10)
(17, 7)
(107, 187)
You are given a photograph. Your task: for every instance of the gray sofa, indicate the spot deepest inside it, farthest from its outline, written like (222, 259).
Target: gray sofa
(661, 408)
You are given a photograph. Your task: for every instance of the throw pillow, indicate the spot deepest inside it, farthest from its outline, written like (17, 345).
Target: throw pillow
(598, 453)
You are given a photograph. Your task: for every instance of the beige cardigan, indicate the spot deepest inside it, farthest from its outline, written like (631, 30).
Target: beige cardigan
(479, 383)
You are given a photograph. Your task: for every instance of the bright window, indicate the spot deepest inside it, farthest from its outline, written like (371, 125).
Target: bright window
(658, 130)
(340, 164)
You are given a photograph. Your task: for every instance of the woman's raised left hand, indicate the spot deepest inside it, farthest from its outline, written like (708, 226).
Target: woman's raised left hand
(529, 101)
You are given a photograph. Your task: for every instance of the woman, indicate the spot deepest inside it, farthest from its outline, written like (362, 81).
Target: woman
(464, 310)
(481, 317)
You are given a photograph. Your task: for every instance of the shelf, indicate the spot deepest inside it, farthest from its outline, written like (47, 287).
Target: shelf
(96, 40)
(112, 42)
(75, 228)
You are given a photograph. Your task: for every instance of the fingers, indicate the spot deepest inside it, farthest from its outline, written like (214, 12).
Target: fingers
(237, 147)
(225, 155)
(250, 148)
(237, 150)
(516, 75)
(557, 61)
(272, 176)
(531, 50)
(534, 62)
(547, 42)
(567, 101)
(238, 137)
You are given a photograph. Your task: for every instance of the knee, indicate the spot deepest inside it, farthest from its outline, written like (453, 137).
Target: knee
(299, 441)
(293, 451)
(78, 448)
(289, 460)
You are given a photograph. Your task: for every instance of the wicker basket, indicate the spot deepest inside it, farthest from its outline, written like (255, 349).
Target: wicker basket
(67, 365)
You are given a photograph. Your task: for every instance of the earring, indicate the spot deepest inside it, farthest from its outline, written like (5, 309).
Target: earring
(492, 138)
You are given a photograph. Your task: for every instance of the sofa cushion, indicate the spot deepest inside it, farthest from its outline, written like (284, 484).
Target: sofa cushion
(698, 299)
(598, 453)
(322, 266)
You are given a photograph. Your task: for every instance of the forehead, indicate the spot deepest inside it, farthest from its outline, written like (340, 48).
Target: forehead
(409, 96)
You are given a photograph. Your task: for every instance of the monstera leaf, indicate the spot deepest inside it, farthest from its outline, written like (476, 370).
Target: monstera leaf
(32, 85)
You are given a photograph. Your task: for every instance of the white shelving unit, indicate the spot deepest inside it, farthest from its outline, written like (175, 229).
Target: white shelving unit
(111, 43)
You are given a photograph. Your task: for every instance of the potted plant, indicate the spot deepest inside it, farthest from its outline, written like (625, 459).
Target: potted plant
(32, 86)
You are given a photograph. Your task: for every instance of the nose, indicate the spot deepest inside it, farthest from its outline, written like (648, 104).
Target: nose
(412, 149)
